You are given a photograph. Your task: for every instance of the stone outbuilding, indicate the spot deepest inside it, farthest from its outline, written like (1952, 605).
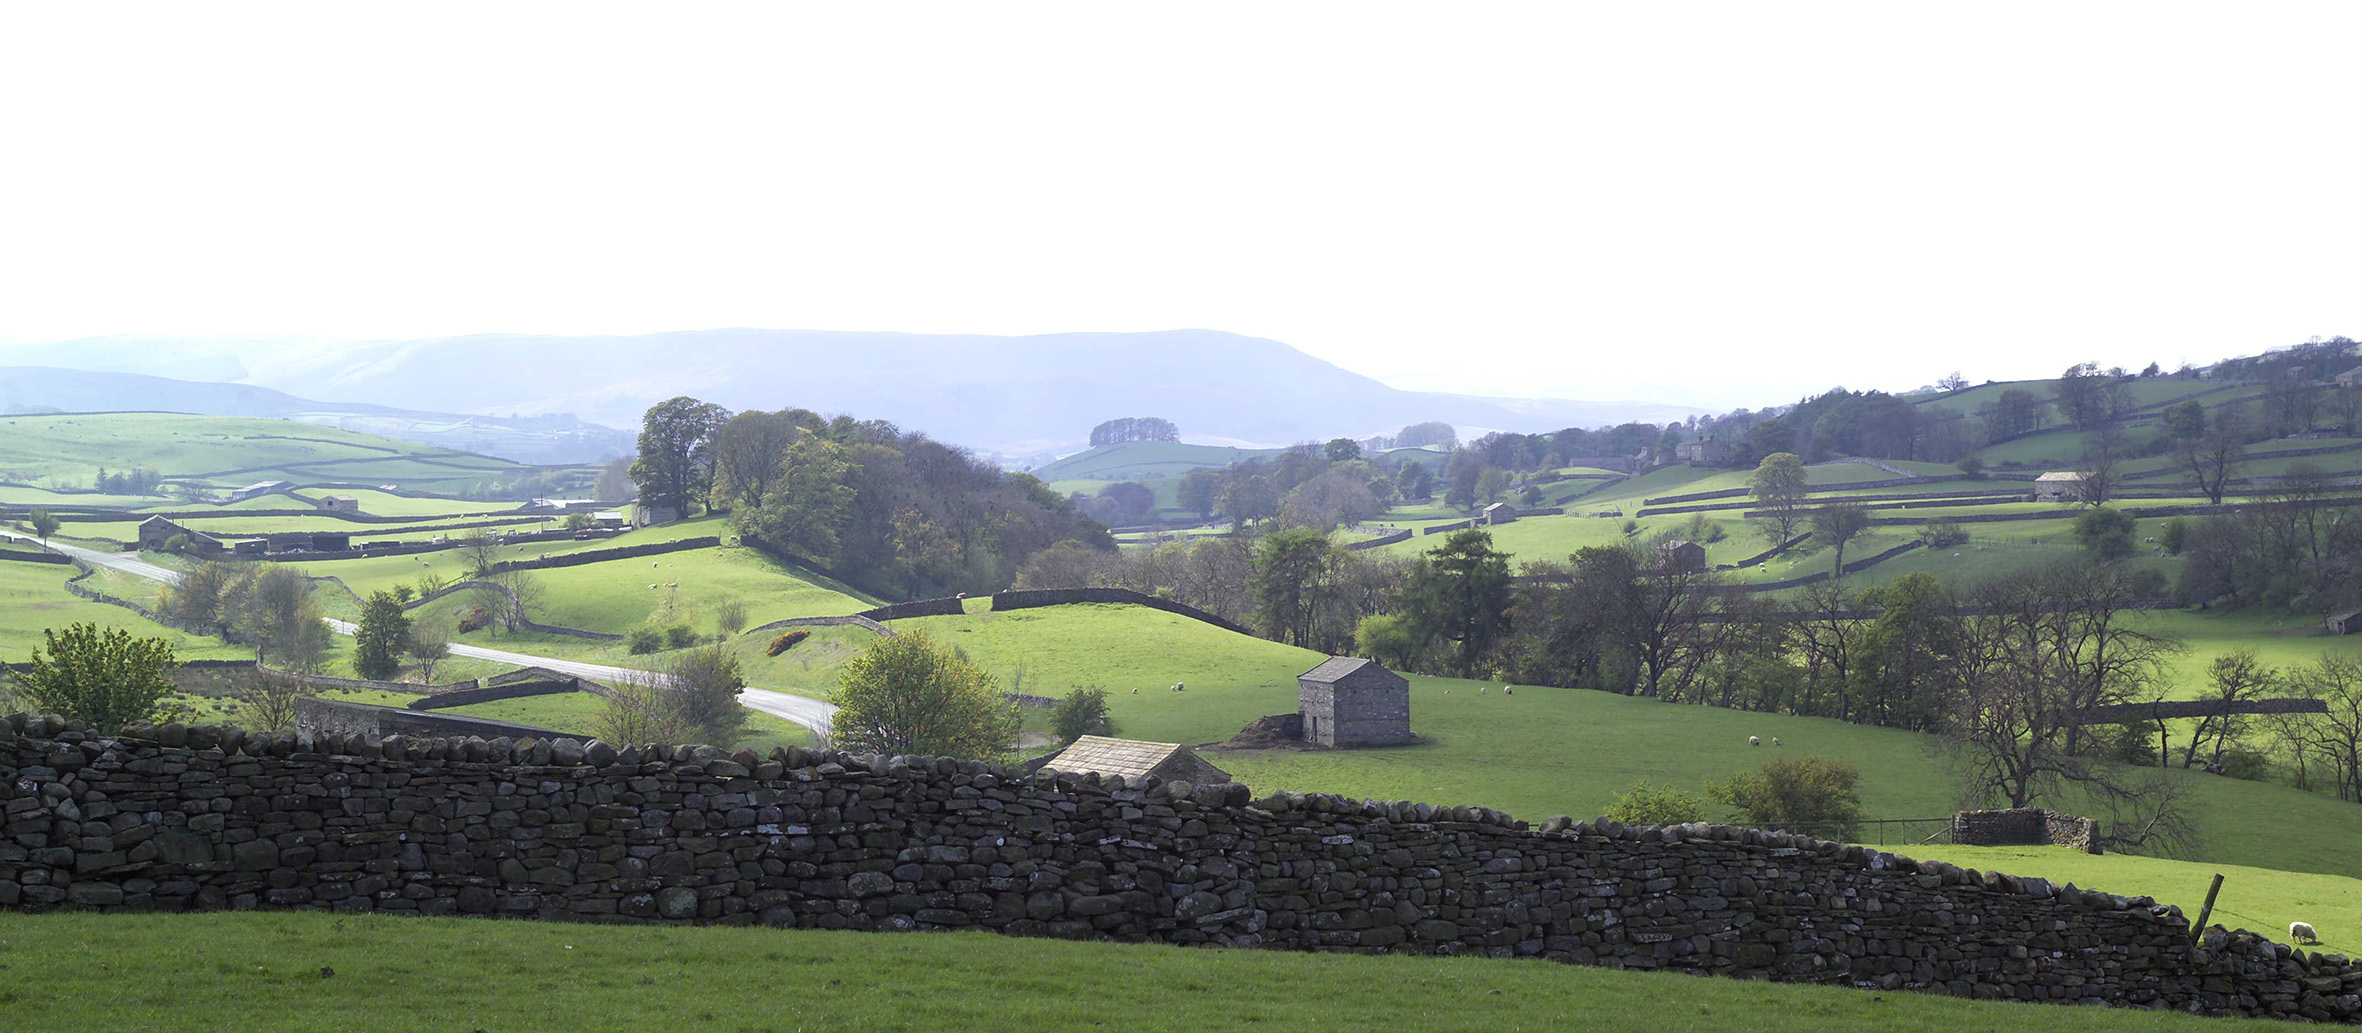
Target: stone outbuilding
(1348, 701)
(1702, 452)
(156, 532)
(1132, 759)
(258, 489)
(1681, 557)
(2059, 486)
(1498, 513)
(338, 504)
(2346, 623)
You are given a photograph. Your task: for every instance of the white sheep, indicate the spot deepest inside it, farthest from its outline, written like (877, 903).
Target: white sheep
(1180, 687)
(1505, 691)
(1753, 741)
(2302, 932)
(1775, 740)
(1480, 690)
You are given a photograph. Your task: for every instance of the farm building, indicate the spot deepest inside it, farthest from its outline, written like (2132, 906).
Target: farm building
(2059, 486)
(1133, 759)
(2346, 623)
(564, 505)
(338, 504)
(331, 541)
(258, 488)
(1498, 513)
(651, 515)
(1681, 557)
(156, 532)
(607, 518)
(2349, 378)
(1702, 452)
(1349, 701)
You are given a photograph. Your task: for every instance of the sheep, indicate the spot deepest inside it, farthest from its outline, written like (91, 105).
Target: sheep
(1480, 690)
(1753, 741)
(1505, 690)
(1180, 687)
(1775, 740)
(2302, 932)
(1135, 692)
(652, 564)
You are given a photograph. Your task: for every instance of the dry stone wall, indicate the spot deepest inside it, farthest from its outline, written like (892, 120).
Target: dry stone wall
(175, 818)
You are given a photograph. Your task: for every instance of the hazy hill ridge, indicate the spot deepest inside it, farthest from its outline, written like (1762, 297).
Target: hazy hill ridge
(1011, 395)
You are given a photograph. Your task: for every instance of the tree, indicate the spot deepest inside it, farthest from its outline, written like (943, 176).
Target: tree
(1291, 571)
(1460, 593)
(104, 677)
(273, 608)
(746, 453)
(730, 616)
(810, 503)
(1249, 499)
(2185, 421)
(1433, 432)
(1389, 639)
(478, 551)
(675, 464)
(1197, 491)
(2105, 532)
(513, 596)
(2337, 735)
(1083, 712)
(639, 712)
(905, 694)
(383, 635)
(2231, 679)
(1491, 483)
(2015, 412)
(430, 645)
(271, 698)
(2102, 456)
(2211, 454)
(1414, 483)
(1797, 791)
(1838, 524)
(1778, 486)
(44, 524)
(1643, 804)
(701, 688)
(1342, 450)
(2081, 394)
(1953, 381)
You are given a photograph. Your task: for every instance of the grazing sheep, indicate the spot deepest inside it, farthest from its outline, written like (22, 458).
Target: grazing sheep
(1135, 692)
(1505, 691)
(1775, 740)
(1753, 741)
(1480, 690)
(652, 564)
(1180, 687)
(2302, 932)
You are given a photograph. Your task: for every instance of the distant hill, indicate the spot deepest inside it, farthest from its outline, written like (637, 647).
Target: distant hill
(544, 440)
(1015, 396)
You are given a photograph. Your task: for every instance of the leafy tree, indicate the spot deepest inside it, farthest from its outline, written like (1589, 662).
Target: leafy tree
(1838, 524)
(1083, 712)
(1414, 483)
(2080, 392)
(2105, 532)
(2015, 412)
(102, 676)
(1460, 593)
(1943, 533)
(1433, 432)
(1197, 491)
(1491, 484)
(1901, 657)
(1342, 450)
(1389, 639)
(1644, 804)
(701, 688)
(1778, 485)
(810, 504)
(675, 464)
(44, 524)
(1291, 569)
(1249, 499)
(274, 609)
(1971, 467)
(637, 712)
(905, 694)
(384, 633)
(746, 451)
(1797, 790)
(2175, 535)
(2185, 421)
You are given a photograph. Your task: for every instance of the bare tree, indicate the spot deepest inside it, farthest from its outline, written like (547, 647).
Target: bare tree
(2210, 454)
(430, 645)
(2337, 735)
(2233, 678)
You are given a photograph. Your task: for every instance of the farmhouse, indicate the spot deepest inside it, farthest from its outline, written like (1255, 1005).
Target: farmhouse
(338, 504)
(2346, 623)
(155, 532)
(1348, 701)
(1132, 758)
(2058, 486)
(1702, 452)
(1681, 557)
(1499, 513)
(258, 488)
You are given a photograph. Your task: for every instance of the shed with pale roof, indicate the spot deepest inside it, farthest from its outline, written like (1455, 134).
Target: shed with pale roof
(2058, 486)
(1350, 701)
(1132, 759)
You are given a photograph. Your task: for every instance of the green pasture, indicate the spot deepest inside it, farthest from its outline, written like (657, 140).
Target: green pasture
(578, 713)
(2146, 393)
(27, 497)
(33, 597)
(220, 971)
(1138, 460)
(2280, 640)
(73, 448)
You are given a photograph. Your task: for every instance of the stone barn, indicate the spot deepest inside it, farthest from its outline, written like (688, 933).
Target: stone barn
(1132, 759)
(1348, 701)
(338, 504)
(2346, 623)
(1681, 557)
(1499, 513)
(155, 532)
(2059, 486)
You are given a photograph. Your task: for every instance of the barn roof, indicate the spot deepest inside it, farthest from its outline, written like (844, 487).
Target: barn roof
(1336, 668)
(1130, 758)
(2060, 475)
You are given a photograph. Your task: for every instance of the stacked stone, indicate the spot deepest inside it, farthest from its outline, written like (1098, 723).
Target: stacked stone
(174, 817)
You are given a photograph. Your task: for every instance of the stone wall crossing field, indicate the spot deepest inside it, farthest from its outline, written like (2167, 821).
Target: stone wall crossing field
(173, 818)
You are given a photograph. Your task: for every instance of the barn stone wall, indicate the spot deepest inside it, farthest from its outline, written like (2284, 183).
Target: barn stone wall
(179, 818)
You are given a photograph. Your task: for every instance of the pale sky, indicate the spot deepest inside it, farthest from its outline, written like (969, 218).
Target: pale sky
(1718, 203)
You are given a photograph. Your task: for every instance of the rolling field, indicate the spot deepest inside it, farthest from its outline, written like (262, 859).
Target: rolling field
(33, 597)
(219, 971)
(1138, 460)
(578, 712)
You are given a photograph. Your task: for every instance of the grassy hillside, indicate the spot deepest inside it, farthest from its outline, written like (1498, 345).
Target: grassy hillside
(220, 971)
(1139, 460)
(33, 597)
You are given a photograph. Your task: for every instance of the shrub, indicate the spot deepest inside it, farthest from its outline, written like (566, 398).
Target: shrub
(2105, 532)
(1797, 790)
(177, 544)
(1943, 534)
(701, 692)
(1972, 466)
(678, 636)
(1083, 712)
(730, 616)
(905, 694)
(103, 676)
(788, 641)
(2243, 763)
(643, 639)
(2175, 535)
(1644, 804)
(475, 619)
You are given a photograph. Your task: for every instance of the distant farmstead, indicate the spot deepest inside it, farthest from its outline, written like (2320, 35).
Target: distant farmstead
(1132, 759)
(157, 532)
(2058, 486)
(338, 504)
(258, 488)
(1681, 557)
(1348, 701)
(1702, 452)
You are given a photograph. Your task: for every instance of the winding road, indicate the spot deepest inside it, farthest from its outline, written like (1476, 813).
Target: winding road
(810, 713)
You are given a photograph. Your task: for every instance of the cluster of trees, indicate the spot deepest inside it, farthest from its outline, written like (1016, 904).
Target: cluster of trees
(693, 699)
(897, 514)
(1134, 428)
(144, 480)
(2284, 550)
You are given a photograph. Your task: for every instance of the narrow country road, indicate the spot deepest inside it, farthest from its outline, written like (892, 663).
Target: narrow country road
(810, 713)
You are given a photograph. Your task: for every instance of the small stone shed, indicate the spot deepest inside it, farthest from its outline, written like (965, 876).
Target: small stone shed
(1132, 758)
(1680, 557)
(1349, 701)
(2058, 486)
(2346, 623)
(1499, 513)
(338, 504)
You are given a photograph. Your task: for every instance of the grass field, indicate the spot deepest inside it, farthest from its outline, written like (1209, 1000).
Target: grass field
(33, 597)
(227, 971)
(578, 712)
(1138, 460)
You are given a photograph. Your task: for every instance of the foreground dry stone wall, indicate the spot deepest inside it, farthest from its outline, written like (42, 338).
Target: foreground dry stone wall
(175, 818)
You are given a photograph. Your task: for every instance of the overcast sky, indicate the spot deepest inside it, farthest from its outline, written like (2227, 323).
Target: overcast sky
(1726, 204)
